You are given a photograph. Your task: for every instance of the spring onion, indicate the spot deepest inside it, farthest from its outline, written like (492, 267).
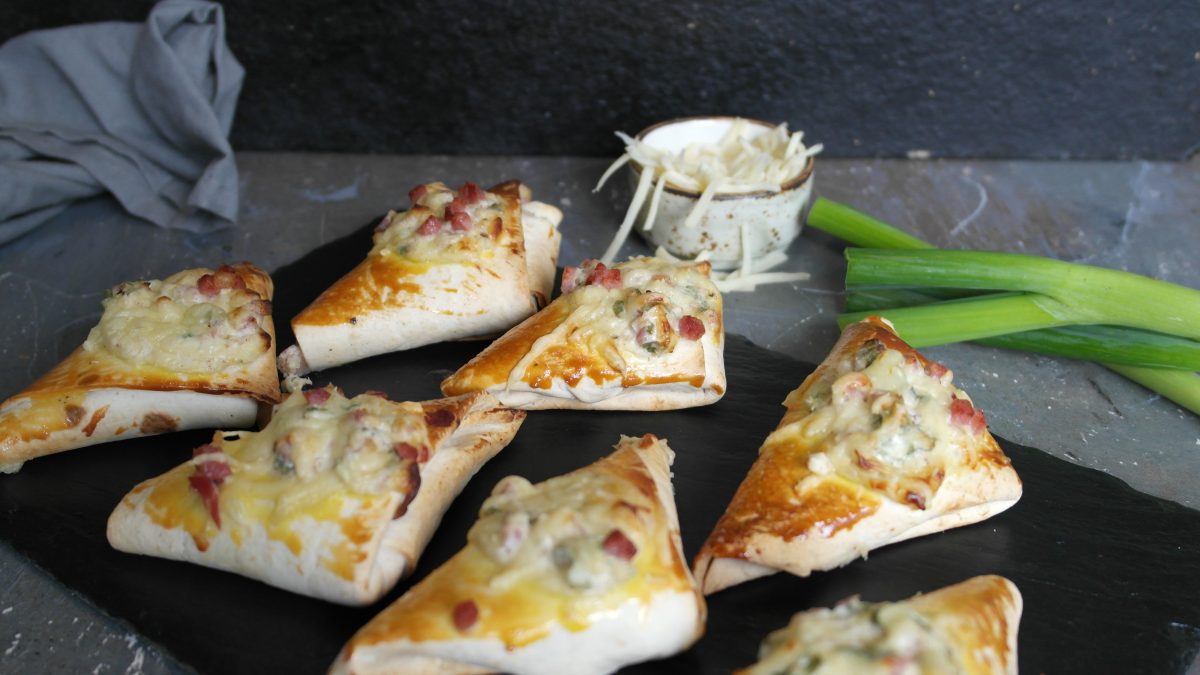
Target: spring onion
(1061, 293)
(1110, 344)
(1161, 317)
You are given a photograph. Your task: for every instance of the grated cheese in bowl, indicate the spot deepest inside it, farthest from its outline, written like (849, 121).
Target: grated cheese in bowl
(700, 160)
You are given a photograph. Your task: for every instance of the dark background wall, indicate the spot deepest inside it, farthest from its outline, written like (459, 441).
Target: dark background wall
(1108, 79)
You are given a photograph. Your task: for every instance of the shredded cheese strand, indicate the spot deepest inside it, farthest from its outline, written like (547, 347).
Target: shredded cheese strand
(741, 279)
(701, 206)
(612, 168)
(639, 196)
(653, 214)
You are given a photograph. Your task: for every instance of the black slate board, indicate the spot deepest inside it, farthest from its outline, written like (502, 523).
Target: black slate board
(1109, 575)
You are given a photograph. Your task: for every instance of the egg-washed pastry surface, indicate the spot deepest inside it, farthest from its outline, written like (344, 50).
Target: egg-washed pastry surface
(194, 350)
(876, 446)
(645, 334)
(336, 498)
(582, 573)
(458, 264)
(969, 628)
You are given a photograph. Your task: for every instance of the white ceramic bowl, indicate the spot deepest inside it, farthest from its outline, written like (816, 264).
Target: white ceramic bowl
(774, 217)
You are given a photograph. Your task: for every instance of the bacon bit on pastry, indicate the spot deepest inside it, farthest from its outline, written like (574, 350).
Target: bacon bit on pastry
(460, 222)
(207, 478)
(316, 396)
(410, 490)
(618, 545)
(964, 414)
(568, 279)
(456, 206)
(466, 613)
(471, 193)
(691, 328)
(935, 369)
(439, 418)
(217, 472)
(210, 285)
(431, 225)
(207, 490)
(590, 272)
(406, 451)
(606, 277)
(375, 392)
(415, 194)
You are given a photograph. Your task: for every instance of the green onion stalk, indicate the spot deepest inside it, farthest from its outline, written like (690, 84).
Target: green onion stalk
(1142, 328)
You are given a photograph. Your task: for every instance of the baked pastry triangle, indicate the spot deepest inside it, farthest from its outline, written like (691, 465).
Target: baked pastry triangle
(645, 334)
(877, 446)
(459, 264)
(582, 573)
(194, 350)
(336, 498)
(969, 628)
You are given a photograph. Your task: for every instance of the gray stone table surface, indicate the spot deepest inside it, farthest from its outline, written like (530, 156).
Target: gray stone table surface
(1143, 217)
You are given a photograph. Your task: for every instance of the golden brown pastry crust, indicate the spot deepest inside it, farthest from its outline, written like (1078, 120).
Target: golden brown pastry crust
(390, 302)
(419, 633)
(772, 525)
(376, 547)
(560, 370)
(976, 621)
(92, 397)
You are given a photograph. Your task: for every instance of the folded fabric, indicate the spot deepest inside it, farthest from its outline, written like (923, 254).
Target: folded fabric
(139, 110)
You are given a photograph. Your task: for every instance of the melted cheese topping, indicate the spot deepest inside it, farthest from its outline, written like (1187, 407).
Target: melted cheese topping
(333, 462)
(880, 419)
(858, 638)
(628, 332)
(543, 555)
(488, 229)
(172, 326)
(875, 425)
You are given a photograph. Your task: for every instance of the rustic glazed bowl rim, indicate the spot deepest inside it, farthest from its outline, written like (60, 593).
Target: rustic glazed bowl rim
(792, 184)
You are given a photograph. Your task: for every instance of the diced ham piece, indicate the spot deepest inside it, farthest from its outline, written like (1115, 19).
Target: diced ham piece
(217, 472)
(316, 396)
(618, 545)
(466, 613)
(439, 418)
(964, 414)
(406, 451)
(606, 277)
(415, 194)
(460, 222)
(590, 272)
(569, 279)
(456, 206)
(691, 328)
(410, 490)
(204, 486)
(431, 225)
(210, 285)
(471, 193)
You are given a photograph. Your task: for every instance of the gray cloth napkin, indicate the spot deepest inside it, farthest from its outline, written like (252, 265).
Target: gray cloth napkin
(139, 110)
